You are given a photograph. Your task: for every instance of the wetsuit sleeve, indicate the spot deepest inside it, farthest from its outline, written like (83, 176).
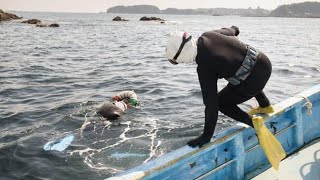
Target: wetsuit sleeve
(208, 82)
(232, 31)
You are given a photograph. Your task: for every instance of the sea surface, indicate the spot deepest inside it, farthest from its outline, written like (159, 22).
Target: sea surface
(52, 80)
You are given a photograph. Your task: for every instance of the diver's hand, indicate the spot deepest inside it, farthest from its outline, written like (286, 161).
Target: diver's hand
(199, 141)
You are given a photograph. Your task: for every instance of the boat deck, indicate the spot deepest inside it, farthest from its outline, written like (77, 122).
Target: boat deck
(304, 164)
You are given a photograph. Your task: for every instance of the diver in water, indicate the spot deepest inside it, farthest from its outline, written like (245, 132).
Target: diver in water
(110, 111)
(220, 54)
(118, 105)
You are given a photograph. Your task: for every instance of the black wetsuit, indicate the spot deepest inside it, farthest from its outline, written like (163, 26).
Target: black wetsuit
(220, 54)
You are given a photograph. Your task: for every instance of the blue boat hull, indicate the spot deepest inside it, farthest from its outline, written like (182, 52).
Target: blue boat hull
(235, 153)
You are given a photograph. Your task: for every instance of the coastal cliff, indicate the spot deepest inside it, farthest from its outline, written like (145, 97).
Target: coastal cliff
(305, 10)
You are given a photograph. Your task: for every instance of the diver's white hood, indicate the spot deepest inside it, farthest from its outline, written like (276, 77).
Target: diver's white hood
(121, 105)
(189, 51)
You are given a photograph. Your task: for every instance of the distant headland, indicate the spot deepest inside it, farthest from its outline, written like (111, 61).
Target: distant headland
(301, 10)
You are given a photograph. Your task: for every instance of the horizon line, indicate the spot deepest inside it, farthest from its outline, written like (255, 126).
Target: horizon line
(104, 11)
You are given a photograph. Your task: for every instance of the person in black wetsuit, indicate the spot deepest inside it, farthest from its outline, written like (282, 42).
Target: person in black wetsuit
(220, 54)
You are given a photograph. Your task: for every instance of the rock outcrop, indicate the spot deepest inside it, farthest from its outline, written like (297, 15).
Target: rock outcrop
(39, 23)
(48, 25)
(8, 16)
(54, 25)
(118, 18)
(32, 21)
(145, 18)
(4, 16)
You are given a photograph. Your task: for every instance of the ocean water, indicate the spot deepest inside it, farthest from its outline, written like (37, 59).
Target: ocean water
(52, 80)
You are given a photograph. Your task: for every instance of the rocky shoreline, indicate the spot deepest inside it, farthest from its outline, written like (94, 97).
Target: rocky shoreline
(4, 16)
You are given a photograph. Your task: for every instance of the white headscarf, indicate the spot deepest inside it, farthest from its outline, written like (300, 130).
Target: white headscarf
(121, 105)
(189, 50)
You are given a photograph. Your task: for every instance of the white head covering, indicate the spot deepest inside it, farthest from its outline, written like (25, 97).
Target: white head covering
(121, 105)
(189, 50)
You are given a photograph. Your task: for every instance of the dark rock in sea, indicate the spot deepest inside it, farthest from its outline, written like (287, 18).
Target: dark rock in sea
(118, 18)
(32, 21)
(48, 25)
(41, 25)
(38, 23)
(8, 16)
(54, 25)
(144, 18)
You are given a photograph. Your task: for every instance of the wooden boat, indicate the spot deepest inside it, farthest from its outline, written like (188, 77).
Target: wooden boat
(235, 153)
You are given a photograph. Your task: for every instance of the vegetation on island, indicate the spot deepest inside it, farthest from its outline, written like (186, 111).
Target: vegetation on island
(305, 10)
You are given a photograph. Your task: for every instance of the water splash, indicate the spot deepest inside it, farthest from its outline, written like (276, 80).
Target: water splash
(89, 154)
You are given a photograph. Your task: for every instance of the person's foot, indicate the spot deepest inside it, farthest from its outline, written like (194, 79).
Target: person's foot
(268, 142)
(258, 122)
(260, 110)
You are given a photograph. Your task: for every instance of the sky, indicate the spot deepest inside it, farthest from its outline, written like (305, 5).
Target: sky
(95, 6)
